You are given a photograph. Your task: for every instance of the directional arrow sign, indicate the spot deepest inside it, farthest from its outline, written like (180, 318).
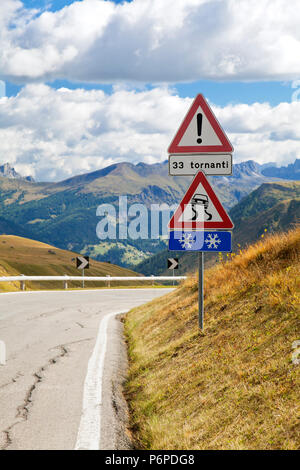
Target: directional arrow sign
(216, 241)
(200, 209)
(172, 263)
(200, 132)
(83, 262)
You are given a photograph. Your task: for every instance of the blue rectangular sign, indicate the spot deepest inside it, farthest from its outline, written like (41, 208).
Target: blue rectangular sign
(212, 241)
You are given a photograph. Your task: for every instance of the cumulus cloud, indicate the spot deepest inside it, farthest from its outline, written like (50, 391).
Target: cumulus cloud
(152, 41)
(54, 134)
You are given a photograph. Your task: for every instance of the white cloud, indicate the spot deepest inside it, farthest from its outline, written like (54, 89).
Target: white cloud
(152, 41)
(54, 134)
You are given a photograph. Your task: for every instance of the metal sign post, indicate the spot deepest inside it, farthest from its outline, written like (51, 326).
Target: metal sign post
(83, 262)
(201, 241)
(201, 290)
(173, 264)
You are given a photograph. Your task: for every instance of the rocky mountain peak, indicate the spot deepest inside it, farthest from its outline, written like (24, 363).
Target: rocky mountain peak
(245, 169)
(7, 171)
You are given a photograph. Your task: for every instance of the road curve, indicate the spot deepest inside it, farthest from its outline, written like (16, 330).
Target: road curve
(65, 364)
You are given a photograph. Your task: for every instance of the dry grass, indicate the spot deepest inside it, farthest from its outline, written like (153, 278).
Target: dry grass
(33, 258)
(235, 386)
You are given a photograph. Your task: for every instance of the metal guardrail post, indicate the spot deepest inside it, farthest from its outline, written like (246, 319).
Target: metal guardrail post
(22, 284)
(152, 279)
(66, 283)
(108, 280)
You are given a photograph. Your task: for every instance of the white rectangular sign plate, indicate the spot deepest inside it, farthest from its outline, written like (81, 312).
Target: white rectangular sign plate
(189, 165)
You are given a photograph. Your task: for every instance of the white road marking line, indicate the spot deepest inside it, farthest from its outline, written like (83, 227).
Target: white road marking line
(89, 433)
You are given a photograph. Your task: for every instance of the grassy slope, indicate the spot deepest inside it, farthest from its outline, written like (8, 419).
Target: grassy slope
(275, 206)
(24, 256)
(265, 197)
(118, 252)
(235, 386)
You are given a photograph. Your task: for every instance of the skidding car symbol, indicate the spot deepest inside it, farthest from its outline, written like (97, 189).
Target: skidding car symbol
(200, 200)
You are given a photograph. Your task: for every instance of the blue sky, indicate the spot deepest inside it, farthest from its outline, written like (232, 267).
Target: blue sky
(53, 5)
(221, 93)
(92, 83)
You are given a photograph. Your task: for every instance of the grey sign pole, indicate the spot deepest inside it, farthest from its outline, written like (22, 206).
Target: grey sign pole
(201, 290)
(81, 263)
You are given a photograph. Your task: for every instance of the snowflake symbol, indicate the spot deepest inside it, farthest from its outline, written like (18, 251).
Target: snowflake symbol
(212, 240)
(187, 240)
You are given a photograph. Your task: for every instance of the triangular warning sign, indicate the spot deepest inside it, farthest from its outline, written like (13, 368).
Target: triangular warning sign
(200, 132)
(200, 208)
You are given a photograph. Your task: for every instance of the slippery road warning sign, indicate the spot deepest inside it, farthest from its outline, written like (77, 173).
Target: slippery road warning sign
(200, 209)
(200, 132)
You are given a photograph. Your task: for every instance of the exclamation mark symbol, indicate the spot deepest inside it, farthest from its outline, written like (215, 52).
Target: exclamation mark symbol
(199, 127)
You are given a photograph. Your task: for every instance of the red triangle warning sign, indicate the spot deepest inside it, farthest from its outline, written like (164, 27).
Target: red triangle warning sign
(200, 208)
(200, 132)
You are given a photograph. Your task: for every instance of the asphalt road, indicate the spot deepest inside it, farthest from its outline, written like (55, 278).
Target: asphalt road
(61, 387)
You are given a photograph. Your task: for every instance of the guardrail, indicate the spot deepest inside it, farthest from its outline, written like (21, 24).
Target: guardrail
(108, 279)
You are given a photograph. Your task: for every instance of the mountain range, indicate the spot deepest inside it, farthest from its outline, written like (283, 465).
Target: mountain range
(64, 213)
(290, 172)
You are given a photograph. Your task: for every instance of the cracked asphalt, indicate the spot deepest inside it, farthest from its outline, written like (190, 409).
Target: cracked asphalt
(50, 337)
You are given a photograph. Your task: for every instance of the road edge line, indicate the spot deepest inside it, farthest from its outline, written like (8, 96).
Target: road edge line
(89, 432)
